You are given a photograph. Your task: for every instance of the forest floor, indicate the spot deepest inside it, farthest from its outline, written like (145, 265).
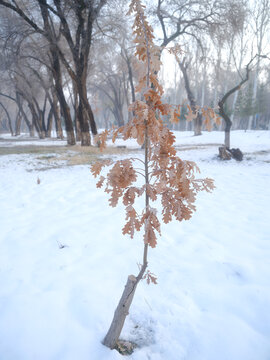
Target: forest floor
(64, 260)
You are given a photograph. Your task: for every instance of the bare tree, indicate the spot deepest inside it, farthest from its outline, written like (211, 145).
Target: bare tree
(194, 20)
(78, 33)
(26, 12)
(221, 103)
(186, 20)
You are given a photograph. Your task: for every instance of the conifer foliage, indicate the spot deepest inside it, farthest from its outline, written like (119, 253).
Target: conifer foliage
(165, 175)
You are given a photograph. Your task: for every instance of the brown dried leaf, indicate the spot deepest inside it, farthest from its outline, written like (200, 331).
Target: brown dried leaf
(151, 192)
(98, 165)
(175, 115)
(130, 194)
(190, 115)
(151, 223)
(150, 277)
(133, 223)
(150, 236)
(100, 182)
(122, 174)
(101, 139)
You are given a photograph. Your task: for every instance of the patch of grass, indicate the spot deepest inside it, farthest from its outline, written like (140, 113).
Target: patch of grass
(49, 150)
(31, 149)
(46, 157)
(195, 146)
(77, 155)
(260, 152)
(53, 157)
(125, 347)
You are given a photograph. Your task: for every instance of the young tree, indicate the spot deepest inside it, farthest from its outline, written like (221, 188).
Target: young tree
(165, 175)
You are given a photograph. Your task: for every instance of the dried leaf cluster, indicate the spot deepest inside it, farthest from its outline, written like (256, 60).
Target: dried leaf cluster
(166, 175)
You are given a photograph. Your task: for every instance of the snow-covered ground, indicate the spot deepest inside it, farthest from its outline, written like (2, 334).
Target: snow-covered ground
(213, 295)
(25, 139)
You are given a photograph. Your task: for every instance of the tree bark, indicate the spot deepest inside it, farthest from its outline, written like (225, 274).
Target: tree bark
(49, 123)
(56, 113)
(221, 103)
(18, 124)
(191, 99)
(9, 119)
(20, 106)
(76, 113)
(130, 74)
(84, 126)
(121, 313)
(61, 97)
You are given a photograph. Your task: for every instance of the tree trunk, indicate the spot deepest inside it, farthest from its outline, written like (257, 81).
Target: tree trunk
(221, 103)
(233, 106)
(9, 119)
(198, 125)
(130, 78)
(89, 113)
(49, 123)
(84, 126)
(227, 140)
(20, 106)
(118, 115)
(192, 101)
(18, 124)
(34, 118)
(121, 313)
(76, 113)
(67, 117)
(42, 124)
(57, 119)
(31, 130)
(228, 124)
(78, 128)
(56, 70)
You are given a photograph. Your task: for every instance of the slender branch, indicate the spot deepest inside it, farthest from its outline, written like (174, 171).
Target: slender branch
(138, 172)
(144, 265)
(161, 20)
(237, 87)
(37, 59)
(7, 96)
(22, 15)
(134, 158)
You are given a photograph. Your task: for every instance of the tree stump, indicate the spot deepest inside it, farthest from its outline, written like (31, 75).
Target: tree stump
(236, 154)
(224, 154)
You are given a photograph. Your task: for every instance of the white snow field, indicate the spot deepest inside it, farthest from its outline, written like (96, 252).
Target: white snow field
(212, 301)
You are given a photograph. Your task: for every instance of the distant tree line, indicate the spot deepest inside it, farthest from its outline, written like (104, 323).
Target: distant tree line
(68, 67)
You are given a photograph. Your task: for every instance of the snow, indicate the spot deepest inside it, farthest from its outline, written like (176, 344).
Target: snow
(213, 294)
(24, 140)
